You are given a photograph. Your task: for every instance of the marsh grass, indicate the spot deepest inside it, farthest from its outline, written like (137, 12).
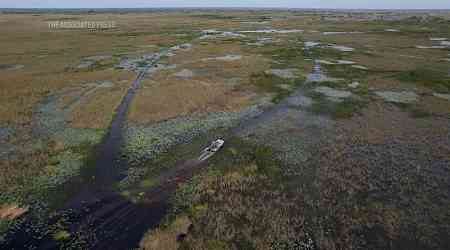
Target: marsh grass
(214, 16)
(327, 53)
(237, 155)
(270, 83)
(241, 183)
(334, 84)
(61, 235)
(337, 110)
(45, 174)
(415, 110)
(166, 236)
(242, 201)
(435, 79)
(240, 153)
(289, 55)
(418, 112)
(347, 72)
(165, 161)
(96, 66)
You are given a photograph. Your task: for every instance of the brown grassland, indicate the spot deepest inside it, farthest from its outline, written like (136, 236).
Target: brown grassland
(373, 174)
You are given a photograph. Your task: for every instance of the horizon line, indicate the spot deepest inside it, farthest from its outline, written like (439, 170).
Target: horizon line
(214, 7)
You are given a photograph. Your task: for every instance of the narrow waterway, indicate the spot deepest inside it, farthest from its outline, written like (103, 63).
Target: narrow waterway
(97, 217)
(108, 162)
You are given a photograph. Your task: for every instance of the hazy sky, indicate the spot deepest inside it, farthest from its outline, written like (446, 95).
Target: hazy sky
(377, 4)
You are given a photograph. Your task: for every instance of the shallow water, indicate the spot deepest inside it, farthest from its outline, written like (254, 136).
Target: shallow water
(97, 213)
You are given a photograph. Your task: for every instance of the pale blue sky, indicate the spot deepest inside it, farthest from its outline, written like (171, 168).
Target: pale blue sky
(366, 4)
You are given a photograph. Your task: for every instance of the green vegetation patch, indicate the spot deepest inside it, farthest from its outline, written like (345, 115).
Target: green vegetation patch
(238, 155)
(58, 166)
(288, 55)
(149, 146)
(414, 109)
(214, 16)
(436, 79)
(241, 196)
(347, 72)
(61, 235)
(4, 226)
(319, 52)
(337, 110)
(274, 84)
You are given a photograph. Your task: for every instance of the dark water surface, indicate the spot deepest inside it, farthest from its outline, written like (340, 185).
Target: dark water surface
(98, 217)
